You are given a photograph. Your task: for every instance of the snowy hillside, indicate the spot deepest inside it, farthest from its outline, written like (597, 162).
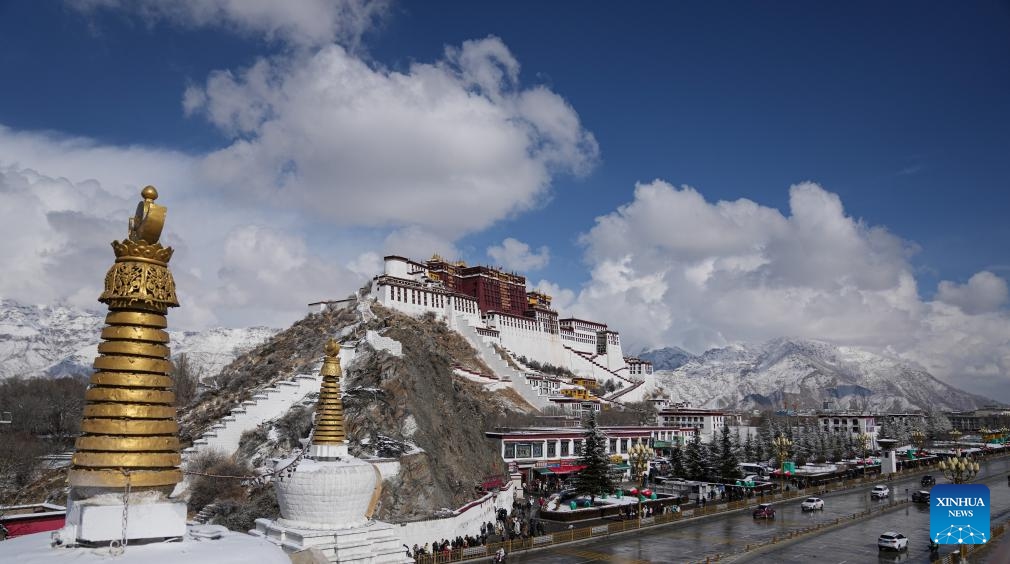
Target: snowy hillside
(807, 373)
(58, 341)
(667, 358)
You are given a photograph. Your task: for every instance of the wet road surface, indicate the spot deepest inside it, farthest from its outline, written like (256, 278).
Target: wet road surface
(694, 541)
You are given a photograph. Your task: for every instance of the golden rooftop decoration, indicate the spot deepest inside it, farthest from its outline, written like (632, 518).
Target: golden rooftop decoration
(129, 433)
(330, 410)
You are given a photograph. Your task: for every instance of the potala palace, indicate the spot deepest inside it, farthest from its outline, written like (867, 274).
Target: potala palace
(507, 323)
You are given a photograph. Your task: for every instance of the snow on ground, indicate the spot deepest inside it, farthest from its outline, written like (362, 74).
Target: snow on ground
(229, 547)
(627, 499)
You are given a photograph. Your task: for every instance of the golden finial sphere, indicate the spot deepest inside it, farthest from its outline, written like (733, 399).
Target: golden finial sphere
(149, 193)
(332, 348)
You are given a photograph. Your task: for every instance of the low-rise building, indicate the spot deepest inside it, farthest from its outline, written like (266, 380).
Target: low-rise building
(990, 416)
(706, 421)
(850, 424)
(556, 450)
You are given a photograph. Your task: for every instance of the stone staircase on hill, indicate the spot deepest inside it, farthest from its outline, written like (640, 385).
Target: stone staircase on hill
(624, 391)
(589, 358)
(264, 406)
(498, 365)
(206, 514)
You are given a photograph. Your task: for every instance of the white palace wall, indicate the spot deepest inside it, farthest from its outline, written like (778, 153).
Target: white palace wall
(405, 288)
(466, 521)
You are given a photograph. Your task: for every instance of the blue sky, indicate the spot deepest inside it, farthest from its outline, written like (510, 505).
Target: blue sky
(898, 112)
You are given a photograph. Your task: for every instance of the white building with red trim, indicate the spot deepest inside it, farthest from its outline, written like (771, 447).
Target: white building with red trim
(490, 308)
(556, 450)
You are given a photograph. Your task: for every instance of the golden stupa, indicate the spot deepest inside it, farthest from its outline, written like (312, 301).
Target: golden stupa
(129, 433)
(329, 429)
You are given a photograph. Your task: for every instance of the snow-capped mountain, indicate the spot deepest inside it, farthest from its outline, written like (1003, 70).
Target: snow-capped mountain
(667, 358)
(39, 340)
(804, 373)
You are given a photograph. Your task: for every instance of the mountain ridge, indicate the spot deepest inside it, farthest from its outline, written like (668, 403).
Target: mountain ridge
(789, 372)
(59, 340)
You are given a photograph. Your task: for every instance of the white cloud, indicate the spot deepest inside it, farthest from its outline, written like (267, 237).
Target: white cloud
(234, 265)
(449, 147)
(302, 23)
(561, 298)
(984, 292)
(333, 162)
(517, 256)
(670, 268)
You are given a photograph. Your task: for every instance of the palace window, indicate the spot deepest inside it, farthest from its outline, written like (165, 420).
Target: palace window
(624, 445)
(564, 448)
(524, 450)
(578, 447)
(552, 449)
(538, 450)
(510, 450)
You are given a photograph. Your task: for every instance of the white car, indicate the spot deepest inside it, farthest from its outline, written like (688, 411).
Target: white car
(812, 503)
(880, 492)
(892, 541)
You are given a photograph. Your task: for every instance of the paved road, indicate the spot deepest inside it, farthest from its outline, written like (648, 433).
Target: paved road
(687, 542)
(857, 542)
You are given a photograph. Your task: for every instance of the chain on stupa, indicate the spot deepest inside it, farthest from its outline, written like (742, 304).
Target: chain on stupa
(330, 411)
(129, 432)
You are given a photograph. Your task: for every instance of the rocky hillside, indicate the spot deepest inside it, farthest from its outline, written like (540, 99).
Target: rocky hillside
(408, 406)
(807, 373)
(59, 341)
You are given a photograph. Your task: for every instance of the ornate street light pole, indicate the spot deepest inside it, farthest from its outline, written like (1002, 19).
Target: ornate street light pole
(639, 455)
(782, 444)
(960, 470)
(955, 437)
(919, 440)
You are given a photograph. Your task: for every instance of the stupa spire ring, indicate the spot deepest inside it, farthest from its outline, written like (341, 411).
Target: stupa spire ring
(129, 432)
(329, 428)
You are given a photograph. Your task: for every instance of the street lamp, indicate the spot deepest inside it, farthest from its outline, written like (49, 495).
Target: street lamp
(960, 470)
(639, 455)
(955, 437)
(782, 444)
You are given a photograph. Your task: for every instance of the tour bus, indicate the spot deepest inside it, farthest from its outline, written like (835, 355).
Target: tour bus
(750, 468)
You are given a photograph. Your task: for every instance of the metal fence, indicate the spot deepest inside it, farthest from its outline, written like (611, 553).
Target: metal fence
(686, 512)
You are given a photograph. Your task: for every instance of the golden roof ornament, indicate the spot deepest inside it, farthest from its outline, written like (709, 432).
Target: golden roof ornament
(330, 410)
(129, 433)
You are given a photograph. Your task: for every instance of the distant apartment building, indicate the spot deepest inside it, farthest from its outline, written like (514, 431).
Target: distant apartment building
(851, 424)
(706, 421)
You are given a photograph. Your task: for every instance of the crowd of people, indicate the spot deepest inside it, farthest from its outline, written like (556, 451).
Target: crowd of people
(519, 523)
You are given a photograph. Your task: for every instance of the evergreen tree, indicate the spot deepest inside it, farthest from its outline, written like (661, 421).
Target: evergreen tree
(696, 458)
(727, 464)
(937, 425)
(677, 462)
(760, 450)
(837, 447)
(595, 477)
(823, 447)
(748, 449)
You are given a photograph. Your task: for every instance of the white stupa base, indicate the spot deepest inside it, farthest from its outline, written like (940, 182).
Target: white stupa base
(328, 452)
(374, 542)
(204, 544)
(149, 516)
(327, 494)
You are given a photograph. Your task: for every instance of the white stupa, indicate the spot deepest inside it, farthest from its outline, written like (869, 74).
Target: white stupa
(127, 459)
(327, 500)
